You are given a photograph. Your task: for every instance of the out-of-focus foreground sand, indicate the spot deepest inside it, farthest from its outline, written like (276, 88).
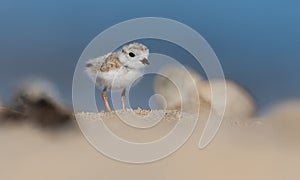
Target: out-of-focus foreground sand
(243, 149)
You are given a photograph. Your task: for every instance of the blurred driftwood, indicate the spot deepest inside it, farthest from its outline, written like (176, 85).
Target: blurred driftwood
(35, 103)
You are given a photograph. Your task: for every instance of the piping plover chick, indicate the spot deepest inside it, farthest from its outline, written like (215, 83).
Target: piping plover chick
(118, 70)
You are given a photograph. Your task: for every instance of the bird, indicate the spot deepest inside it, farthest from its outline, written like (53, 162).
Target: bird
(118, 70)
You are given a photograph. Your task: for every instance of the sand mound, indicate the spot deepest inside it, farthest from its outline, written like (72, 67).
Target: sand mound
(284, 119)
(137, 125)
(186, 90)
(239, 103)
(242, 149)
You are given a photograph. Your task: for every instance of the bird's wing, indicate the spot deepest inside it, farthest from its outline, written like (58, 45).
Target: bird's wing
(104, 63)
(111, 62)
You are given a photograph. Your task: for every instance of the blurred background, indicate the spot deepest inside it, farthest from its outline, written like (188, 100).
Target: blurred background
(257, 42)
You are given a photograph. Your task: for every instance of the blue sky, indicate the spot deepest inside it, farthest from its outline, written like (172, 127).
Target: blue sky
(257, 41)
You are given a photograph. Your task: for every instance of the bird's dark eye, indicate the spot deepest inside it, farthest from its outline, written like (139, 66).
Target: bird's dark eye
(131, 54)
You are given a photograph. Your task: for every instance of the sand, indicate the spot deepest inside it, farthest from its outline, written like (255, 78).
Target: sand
(243, 149)
(186, 90)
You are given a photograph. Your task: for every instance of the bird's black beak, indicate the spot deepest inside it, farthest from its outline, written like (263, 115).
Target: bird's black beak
(145, 61)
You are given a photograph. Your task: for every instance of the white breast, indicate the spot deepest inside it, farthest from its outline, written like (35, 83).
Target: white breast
(118, 79)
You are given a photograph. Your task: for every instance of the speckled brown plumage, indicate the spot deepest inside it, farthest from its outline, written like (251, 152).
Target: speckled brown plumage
(111, 62)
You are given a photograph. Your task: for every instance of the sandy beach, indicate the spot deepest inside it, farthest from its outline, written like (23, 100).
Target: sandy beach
(243, 149)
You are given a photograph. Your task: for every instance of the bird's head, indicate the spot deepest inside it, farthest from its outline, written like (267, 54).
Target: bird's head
(134, 56)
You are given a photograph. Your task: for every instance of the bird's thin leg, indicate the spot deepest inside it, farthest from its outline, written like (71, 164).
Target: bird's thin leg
(104, 97)
(123, 98)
